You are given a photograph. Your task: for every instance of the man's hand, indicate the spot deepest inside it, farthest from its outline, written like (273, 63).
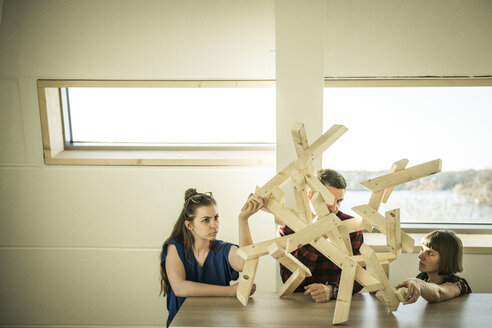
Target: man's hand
(319, 292)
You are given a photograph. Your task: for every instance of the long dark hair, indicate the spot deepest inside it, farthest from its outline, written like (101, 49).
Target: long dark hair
(193, 200)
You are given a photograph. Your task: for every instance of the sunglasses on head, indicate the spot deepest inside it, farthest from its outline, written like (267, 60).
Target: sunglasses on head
(198, 198)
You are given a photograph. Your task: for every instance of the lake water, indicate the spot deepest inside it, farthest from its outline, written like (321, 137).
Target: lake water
(424, 206)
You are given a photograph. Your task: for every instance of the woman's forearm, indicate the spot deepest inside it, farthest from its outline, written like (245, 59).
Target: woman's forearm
(190, 288)
(431, 292)
(244, 233)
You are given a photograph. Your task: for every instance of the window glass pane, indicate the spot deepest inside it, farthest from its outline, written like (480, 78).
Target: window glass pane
(421, 124)
(173, 115)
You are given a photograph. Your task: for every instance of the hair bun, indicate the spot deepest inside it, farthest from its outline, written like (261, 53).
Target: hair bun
(190, 192)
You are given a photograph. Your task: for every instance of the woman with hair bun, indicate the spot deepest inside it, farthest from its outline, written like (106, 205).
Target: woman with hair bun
(440, 258)
(193, 261)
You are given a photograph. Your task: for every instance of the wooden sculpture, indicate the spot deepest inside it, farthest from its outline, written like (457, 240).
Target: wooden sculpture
(328, 234)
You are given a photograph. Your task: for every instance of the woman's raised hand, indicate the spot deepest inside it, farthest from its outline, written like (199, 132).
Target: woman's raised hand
(251, 207)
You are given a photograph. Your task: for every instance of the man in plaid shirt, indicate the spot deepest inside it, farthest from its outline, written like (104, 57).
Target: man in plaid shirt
(324, 282)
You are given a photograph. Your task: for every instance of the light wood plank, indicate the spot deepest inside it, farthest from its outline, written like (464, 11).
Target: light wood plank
(260, 249)
(317, 186)
(382, 257)
(277, 181)
(279, 196)
(301, 197)
(324, 142)
(397, 166)
(377, 270)
(376, 219)
(309, 233)
(295, 279)
(344, 299)
(375, 200)
(333, 254)
(287, 260)
(334, 235)
(246, 280)
(405, 175)
(393, 235)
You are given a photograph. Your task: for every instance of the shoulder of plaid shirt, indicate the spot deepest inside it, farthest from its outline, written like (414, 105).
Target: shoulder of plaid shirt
(322, 269)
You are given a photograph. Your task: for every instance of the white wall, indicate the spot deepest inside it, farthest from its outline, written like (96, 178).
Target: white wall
(80, 245)
(380, 38)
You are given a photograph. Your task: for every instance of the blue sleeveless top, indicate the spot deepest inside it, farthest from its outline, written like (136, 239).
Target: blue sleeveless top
(216, 270)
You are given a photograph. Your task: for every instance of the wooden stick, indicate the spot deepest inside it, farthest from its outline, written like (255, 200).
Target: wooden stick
(323, 142)
(260, 249)
(386, 268)
(309, 233)
(301, 144)
(355, 224)
(397, 166)
(343, 231)
(405, 175)
(301, 197)
(287, 260)
(375, 200)
(344, 299)
(246, 280)
(317, 186)
(277, 181)
(376, 219)
(324, 246)
(374, 267)
(382, 257)
(291, 284)
(334, 234)
(393, 231)
(333, 254)
(279, 196)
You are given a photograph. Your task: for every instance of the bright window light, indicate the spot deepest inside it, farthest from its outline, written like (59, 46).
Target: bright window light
(386, 124)
(172, 116)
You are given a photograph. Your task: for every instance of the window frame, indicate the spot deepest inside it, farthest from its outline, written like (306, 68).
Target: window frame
(462, 228)
(56, 151)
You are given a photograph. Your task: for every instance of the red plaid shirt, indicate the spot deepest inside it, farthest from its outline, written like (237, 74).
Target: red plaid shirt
(323, 270)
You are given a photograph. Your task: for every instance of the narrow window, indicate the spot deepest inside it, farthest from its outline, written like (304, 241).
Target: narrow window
(182, 120)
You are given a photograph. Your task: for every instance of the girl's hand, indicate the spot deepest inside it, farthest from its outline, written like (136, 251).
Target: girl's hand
(251, 207)
(414, 290)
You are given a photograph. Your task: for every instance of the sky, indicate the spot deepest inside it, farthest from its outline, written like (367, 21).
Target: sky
(420, 124)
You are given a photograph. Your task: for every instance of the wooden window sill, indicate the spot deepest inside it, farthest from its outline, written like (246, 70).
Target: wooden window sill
(164, 158)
